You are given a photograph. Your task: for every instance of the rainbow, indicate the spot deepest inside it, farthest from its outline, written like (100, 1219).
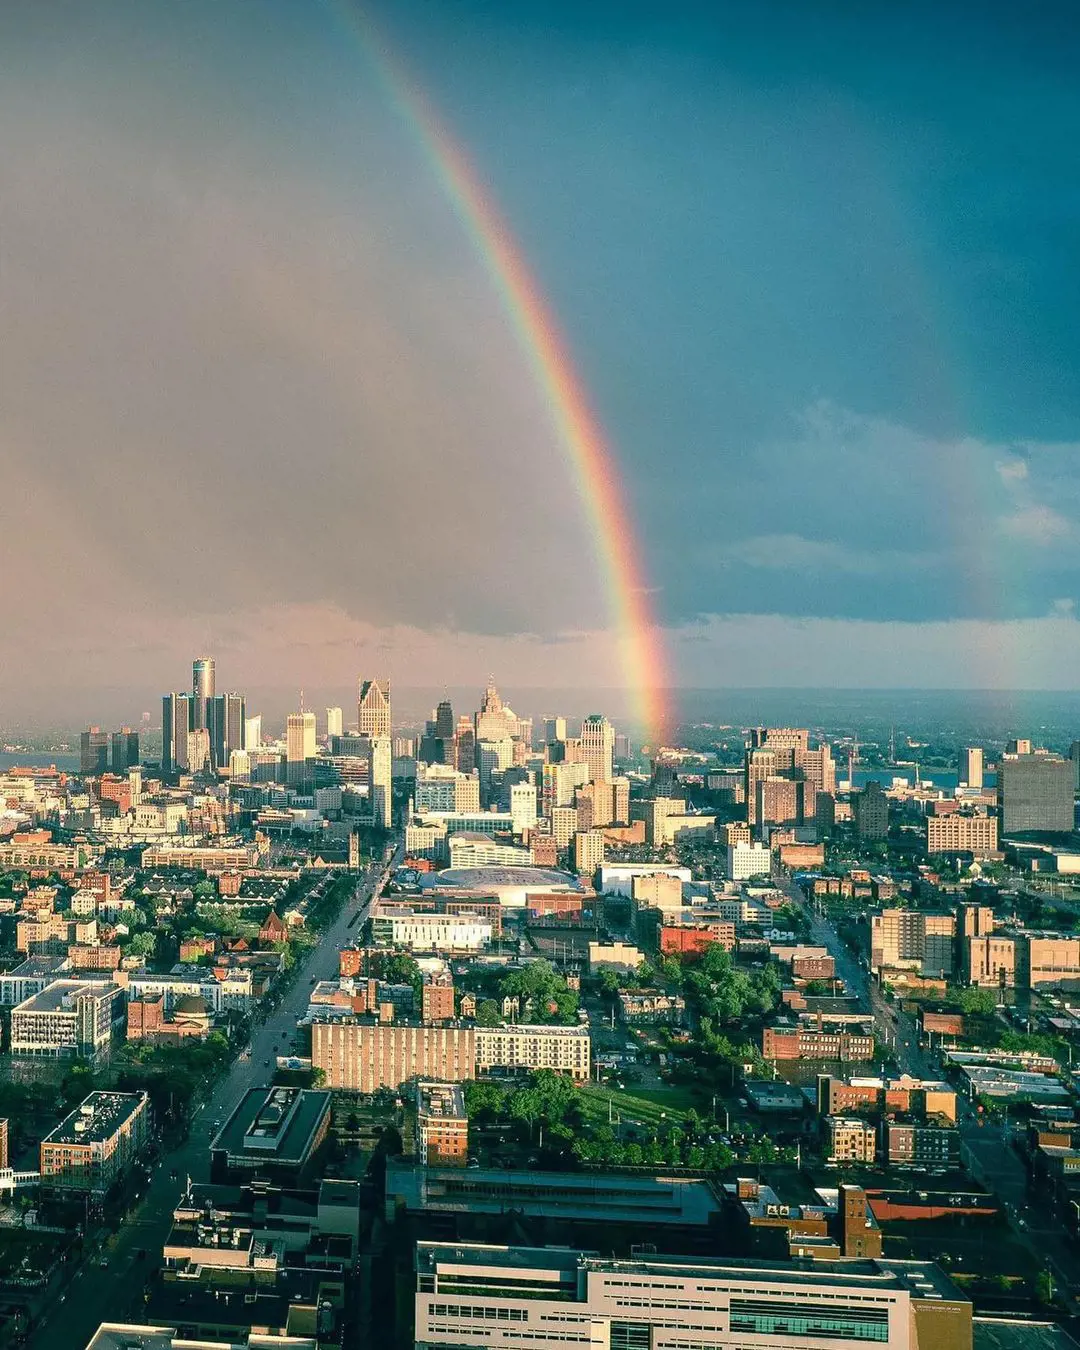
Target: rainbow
(595, 471)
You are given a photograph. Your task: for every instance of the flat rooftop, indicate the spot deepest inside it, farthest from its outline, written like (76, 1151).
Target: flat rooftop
(275, 1124)
(36, 966)
(1001, 1333)
(60, 995)
(97, 1118)
(484, 878)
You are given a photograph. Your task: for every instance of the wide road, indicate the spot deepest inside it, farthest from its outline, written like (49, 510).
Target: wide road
(115, 1294)
(986, 1146)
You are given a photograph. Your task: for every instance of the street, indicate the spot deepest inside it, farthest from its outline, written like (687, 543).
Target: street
(115, 1294)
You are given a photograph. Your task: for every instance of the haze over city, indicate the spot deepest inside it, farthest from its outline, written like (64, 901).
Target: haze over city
(261, 393)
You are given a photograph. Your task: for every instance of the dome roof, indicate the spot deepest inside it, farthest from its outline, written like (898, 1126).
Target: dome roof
(191, 1003)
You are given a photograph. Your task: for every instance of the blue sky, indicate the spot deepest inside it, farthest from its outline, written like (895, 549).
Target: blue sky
(816, 265)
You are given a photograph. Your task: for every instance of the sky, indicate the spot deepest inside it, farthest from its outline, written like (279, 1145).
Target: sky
(815, 267)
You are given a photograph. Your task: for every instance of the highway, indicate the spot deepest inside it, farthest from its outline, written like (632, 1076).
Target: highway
(115, 1293)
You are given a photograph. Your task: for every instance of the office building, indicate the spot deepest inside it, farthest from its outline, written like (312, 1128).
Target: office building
(748, 860)
(68, 1018)
(426, 932)
(588, 851)
(335, 724)
(203, 688)
(93, 1147)
(991, 961)
(226, 726)
(176, 723)
(274, 1133)
(598, 747)
(373, 708)
(1037, 792)
(300, 749)
(380, 769)
(472, 849)
(870, 808)
(914, 939)
(522, 807)
(970, 767)
(253, 732)
(442, 1127)
(123, 750)
(94, 751)
(962, 832)
(506, 1298)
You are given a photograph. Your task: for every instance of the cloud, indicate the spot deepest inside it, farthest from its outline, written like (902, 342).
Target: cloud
(1039, 525)
(784, 552)
(1012, 470)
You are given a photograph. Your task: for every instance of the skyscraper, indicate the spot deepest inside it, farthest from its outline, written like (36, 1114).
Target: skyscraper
(335, 725)
(203, 688)
(373, 708)
(235, 724)
(123, 750)
(380, 763)
(93, 751)
(176, 722)
(300, 749)
(971, 766)
(444, 721)
(598, 747)
(253, 732)
(1037, 792)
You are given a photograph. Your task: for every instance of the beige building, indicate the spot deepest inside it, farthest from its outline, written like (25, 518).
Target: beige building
(913, 939)
(504, 1298)
(960, 832)
(850, 1139)
(564, 1049)
(365, 1055)
(373, 708)
(598, 747)
(991, 961)
(588, 851)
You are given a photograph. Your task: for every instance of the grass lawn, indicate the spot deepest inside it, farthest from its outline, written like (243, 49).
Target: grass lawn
(643, 1106)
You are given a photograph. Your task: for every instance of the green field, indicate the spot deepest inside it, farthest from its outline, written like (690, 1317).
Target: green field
(641, 1106)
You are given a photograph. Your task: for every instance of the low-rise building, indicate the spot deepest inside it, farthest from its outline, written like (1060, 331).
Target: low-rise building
(273, 1132)
(837, 1036)
(96, 1143)
(850, 1139)
(442, 1127)
(524, 1047)
(920, 1143)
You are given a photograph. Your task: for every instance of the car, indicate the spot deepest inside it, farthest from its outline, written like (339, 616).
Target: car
(104, 1263)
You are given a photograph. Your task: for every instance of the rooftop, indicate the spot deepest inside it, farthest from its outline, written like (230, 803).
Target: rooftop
(98, 1118)
(60, 995)
(276, 1124)
(445, 1101)
(142, 1336)
(484, 878)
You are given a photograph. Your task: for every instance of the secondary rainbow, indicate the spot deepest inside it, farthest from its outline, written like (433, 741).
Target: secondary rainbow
(595, 471)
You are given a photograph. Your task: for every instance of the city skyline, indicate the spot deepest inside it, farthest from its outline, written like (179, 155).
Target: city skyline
(808, 284)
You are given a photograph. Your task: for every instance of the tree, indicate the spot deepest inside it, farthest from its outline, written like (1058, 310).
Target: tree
(487, 1013)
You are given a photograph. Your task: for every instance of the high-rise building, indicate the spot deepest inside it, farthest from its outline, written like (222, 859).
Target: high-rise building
(492, 757)
(523, 806)
(94, 751)
(445, 725)
(871, 811)
(465, 745)
(253, 732)
(176, 722)
(300, 747)
(235, 724)
(588, 851)
(335, 725)
(381, 766)
(913, 938)
(1018, 747)
(622, 746)
(203, 688)
(1037, 793)
(554, 729)
(123, 750)
(598, 747)
(373, 708)
(971, 766)
(199, 753)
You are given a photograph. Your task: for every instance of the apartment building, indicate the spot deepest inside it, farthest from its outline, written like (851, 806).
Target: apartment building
(363, 1055)
(224, 858)
(961, 832)
(850, 1139)
(92, 1147)
(506, 1298)
(442, 1127)
(847, 1037)
(913, 939)
(68, 1018)
(564, 1049)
